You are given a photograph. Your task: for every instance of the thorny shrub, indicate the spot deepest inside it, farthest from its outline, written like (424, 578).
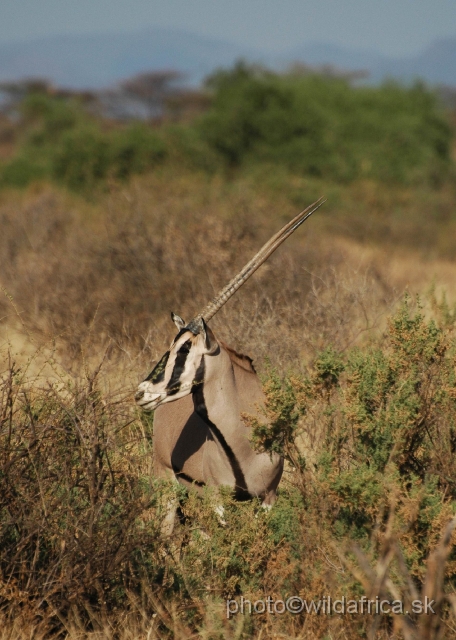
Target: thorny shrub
(371, 433)
(366, 434)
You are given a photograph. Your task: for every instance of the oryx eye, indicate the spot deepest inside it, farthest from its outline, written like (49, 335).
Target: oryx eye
(185, 348)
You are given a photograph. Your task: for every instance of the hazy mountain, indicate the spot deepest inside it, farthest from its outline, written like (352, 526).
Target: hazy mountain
(319, 54)
(97, 61)
(436, 64)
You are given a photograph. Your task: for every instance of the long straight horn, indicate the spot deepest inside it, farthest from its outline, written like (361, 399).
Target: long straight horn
(250, 268)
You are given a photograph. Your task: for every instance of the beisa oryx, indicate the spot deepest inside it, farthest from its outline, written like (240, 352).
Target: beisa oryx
(199, 390)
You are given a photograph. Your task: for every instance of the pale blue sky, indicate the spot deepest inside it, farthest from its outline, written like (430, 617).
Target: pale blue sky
(395, 27)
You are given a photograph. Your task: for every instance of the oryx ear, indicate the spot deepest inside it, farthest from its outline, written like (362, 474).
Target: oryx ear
(180, 324)
(210, 340)
(199, 328)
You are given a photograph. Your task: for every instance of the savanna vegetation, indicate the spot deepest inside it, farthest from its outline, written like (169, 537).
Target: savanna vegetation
(319, 126)
(105, 228)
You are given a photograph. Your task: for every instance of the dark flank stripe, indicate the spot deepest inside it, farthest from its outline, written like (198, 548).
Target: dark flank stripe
(158, 372)
(241, 492)
(186, 477)
(174, 382)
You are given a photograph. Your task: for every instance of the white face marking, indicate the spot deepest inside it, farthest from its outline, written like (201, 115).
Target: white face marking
(175, 374)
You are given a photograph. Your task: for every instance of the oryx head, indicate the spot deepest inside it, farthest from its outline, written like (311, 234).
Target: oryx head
(181, 368)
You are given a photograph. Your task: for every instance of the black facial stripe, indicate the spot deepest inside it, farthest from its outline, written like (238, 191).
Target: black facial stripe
(199, 375)
(241, 492)
(158, 372)
(174, 382)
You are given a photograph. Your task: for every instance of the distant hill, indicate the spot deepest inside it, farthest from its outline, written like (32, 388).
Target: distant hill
(436, 64)
(319, 54)
(97, 61)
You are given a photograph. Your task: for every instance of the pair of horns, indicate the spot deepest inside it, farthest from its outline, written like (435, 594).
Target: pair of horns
(263, 254)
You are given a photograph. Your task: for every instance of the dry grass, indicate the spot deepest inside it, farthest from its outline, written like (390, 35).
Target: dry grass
(91, 282)
(83, 274)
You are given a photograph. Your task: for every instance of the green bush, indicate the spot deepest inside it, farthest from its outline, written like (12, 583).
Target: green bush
(187, 148)
(62, 142)
(80, 514)
(135, 150)
(86, 156)
(387, 418)
(20, 171)
(313, 125)
(82, 158)
(324, 127)
(46, 117)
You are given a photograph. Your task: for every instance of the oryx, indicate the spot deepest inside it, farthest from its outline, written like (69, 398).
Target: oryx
(199, 390)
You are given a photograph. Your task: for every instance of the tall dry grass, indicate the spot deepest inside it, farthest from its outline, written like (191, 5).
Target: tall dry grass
(90, 284)
(113, 269)
(82, 555)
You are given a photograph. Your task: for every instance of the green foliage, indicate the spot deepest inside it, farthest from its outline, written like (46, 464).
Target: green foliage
(388, 418)
(80, 513)
(283, 415)
(329, 366)
(324, 127)
(47, 117)
(234, 556)
(284, 521)
(311, 125)
(82, 158)
(86, 156)
(187, 148)
(136, 149)
(61, 141)
(20, 171)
